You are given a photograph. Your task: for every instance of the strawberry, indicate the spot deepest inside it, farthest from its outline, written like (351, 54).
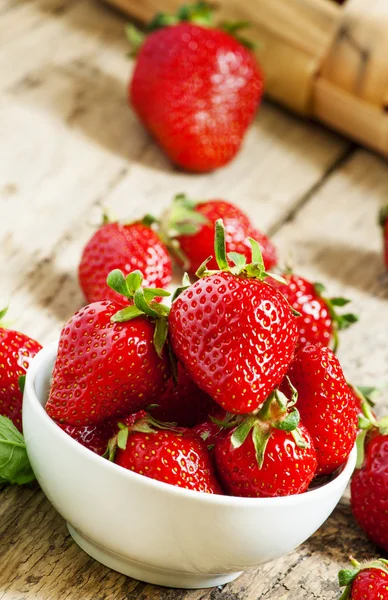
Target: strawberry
(369, 485)
(130, 247)
(319, 322)
(365, 581)
(209, 431)
(173, 455)
(183, 402)
(270, 454)
(383, 220)
(16, 352)
(111, 358)
(326, 404)
(234, 334)
(191, 224)
(94, 437)
(195, 88)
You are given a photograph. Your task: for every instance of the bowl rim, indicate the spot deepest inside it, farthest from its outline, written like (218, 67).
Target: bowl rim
(45, 355)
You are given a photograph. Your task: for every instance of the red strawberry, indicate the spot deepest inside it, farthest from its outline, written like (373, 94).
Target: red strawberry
(196, 90)
(93, 437)
(365, 581)
(173, 455)
(16, 352)
(234, 333)
(326, 404)
(183, 402)
(210, 432)
(270, 454)
(383, 219)
(111, 358)
(192, 225)
(319, 322)
(127, 247)
(369, 486)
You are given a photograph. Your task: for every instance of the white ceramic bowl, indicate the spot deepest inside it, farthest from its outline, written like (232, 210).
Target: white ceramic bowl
(153, 531)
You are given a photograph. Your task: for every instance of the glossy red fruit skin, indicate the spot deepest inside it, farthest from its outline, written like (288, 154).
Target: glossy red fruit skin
(287, 469)
(104, 369)
(235, 337)
(126, 247)
(16, 352)
(325, 403)
(369, 491)
(176, 457)
(315, 324)
(184, 403)
(238, 229)
(370, 584)
(210, 432)
(196, 90)
(93, 437)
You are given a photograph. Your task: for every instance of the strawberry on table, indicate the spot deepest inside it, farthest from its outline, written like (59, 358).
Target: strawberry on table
(191, 224)
(326, 404)
(173, 455)
(369, 485)
(234, 333)
(268, 454)
(111, 357)
(319, 322)
(183, 402)
(367, 581)
(195, 88)
(16, 352)
(383, 220)
(129, 247)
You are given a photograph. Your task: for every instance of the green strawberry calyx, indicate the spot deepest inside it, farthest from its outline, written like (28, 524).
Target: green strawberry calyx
(236, 263)
(347, 576)
(144, 303)
(367, 420)
(277, 412)
(144, 423)
(383, 216)
(339, 321)
(199, 13)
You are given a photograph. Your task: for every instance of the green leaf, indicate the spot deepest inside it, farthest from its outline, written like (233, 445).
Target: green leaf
(290, 422)
(143, 305)
(344, 321)
(186, 283)
(260, 439)
(200, 13)
(127, 314)
(339, 301)
(360, 444)
(160, 335)
(280, 279)
(298, 438)
(319, 288)
(122, 438)
(257, 256)
(3, 312)
(242, 431)
(369, 392)
(22, 383)
(220, 246)
(151, 293)
(117, 282)
(383, 215)
(14, 464)
(135, 37)
(294, 393)
(133, 282)
(238, 259)
(383, 425)
(346, 576)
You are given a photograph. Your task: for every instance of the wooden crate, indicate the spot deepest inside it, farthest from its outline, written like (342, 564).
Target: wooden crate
(320, 59)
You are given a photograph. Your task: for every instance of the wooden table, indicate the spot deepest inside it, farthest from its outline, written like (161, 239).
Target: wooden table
(69, 146)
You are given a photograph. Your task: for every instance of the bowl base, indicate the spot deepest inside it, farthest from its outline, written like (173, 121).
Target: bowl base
(147, 573)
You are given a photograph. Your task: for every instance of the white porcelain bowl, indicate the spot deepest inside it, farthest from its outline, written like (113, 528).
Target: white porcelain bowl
(153, 531)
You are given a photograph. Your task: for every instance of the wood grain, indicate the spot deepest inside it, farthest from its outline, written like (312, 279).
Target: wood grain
(69, 146)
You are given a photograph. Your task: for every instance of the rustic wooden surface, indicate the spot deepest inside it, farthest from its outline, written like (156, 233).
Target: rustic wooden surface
(69, 146)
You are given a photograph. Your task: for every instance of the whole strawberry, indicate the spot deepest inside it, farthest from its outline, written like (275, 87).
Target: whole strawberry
(270, 454)
(234, 334)
(111, 357)
(130, 247)
(383, 220)
(173, 455)
(183, 402)
(191, 224)
(319, 322)
(365, 581)
(16, 352)
(369, 485)
(195, 88)
(326, 404)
